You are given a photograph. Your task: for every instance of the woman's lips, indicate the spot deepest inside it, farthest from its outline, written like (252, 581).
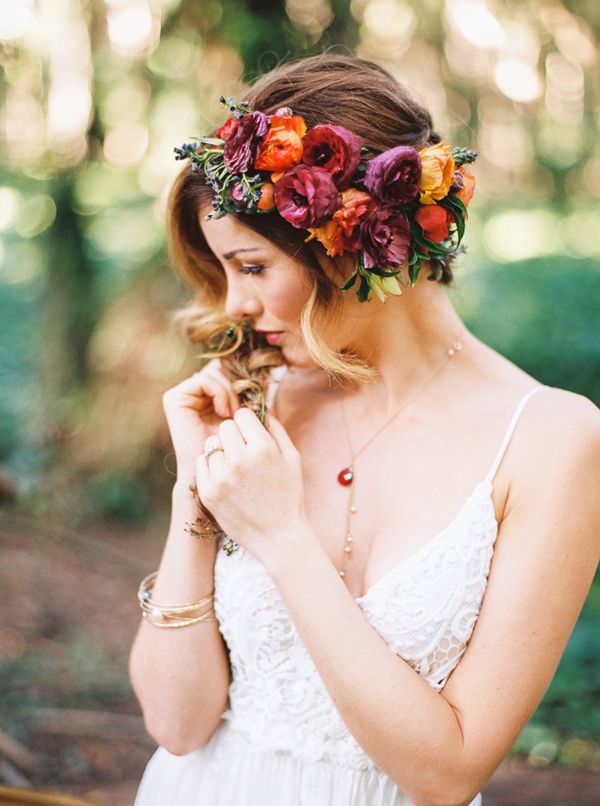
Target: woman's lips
(274, 338)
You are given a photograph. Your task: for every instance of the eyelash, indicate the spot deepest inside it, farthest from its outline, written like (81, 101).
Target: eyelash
(248, 269)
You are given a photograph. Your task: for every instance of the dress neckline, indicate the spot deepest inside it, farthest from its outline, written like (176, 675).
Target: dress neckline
(485, 488)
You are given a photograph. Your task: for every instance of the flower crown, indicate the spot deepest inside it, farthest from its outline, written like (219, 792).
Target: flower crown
(397, 206)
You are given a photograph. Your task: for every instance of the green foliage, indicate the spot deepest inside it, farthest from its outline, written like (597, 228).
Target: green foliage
(542, 314)
(117, 496)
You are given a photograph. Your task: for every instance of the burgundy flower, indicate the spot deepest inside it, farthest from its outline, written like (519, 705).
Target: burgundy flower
(334, 148)
(306, 196)
(394, 176)
(385, 238)
(241, 147)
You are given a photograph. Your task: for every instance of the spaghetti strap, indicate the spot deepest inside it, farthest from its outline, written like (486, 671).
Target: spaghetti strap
(509, 431)
(277, 374)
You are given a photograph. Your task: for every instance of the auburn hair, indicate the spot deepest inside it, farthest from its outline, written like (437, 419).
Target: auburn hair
(328, 88)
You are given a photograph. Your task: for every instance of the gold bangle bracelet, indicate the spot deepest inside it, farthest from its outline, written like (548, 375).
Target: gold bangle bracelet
(173, 615)
(144, 597)
(208, 616)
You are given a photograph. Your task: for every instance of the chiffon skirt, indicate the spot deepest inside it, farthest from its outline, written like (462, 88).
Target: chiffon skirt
(229, 771)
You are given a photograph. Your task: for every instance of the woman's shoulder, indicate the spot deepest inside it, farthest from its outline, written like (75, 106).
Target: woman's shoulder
(557, 452)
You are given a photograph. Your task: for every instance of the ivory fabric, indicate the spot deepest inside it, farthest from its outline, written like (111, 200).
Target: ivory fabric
(281, 741)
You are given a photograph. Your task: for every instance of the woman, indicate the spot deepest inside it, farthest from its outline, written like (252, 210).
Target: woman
(410, 533)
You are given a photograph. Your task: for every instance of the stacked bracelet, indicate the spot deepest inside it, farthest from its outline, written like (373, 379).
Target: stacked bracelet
(170, 616)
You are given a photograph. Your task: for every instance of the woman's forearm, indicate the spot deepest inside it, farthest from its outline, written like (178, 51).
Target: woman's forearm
(405, 726)
(181, 676)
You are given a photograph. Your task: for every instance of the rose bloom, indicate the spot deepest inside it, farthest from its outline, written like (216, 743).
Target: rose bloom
(306, 196)
(437, 172)
(435, 221)
(385, 238)
(334, 148)
(340, 234)
(240, 150)
(465, 194)
(394, 176)
(282, 147)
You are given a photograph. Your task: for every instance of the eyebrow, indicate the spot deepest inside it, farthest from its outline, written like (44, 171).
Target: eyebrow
(229, 255)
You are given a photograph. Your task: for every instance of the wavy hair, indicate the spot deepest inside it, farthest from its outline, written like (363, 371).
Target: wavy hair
(343, 90)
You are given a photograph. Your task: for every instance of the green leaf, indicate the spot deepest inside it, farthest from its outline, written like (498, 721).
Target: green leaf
(363, 290)
(349, 282)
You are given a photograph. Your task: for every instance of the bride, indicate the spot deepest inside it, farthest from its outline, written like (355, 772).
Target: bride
(377, 576)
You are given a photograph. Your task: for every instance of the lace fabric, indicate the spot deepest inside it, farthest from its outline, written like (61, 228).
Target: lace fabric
(425, 608)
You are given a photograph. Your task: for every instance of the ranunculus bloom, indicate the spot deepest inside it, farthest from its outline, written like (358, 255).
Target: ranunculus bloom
(435, 221)
(282, 147)
(394, 176)
(227, 129)
(239, 194)
(334, 148)
(306, 196)
(385, 238)
(240, 150)
(340, 234)
(266, 201)
(437, 172)
(465, 194)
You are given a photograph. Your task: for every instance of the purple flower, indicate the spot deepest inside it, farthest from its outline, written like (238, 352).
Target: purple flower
(334, 148)
(394, 176)
(385, 238)
(240, 150)
(306, 196)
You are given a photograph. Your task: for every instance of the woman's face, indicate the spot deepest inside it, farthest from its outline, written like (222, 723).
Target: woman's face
(263, 284)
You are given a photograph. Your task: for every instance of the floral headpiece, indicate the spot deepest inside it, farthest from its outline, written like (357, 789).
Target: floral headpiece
(401, 205)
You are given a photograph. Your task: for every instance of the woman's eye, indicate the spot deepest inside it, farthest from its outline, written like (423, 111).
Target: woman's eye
(252, 269)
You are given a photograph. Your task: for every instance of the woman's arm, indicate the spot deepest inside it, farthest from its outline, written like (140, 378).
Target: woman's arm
(181, 676)
(442, 748)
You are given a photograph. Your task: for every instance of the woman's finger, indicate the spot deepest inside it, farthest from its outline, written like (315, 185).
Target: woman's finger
(231, 438)
(281, 437)
(208, 388)
(250, 427)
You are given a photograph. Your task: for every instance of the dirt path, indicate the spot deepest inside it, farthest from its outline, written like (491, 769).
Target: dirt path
(69, 614)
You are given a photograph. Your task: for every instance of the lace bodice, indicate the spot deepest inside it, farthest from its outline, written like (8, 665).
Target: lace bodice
(425, 608)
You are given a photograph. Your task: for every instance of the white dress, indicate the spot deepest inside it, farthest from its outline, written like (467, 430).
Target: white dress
(281, 741)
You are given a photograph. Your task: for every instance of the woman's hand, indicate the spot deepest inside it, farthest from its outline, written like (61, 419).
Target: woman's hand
(253, 487)
(193, 409)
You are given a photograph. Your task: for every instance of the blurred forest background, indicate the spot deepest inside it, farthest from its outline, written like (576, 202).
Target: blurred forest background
(94, 96)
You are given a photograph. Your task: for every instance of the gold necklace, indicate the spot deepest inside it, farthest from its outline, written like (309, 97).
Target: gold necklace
(347, 476)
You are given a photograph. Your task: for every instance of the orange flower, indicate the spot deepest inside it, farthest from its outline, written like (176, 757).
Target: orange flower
(465, 194)
(435, 221)
(266, 201)
(281, 147)
(437, 172)
(336, 234)
(327, 235)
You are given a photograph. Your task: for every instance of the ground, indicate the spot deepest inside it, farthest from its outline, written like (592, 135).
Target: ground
(69, 721)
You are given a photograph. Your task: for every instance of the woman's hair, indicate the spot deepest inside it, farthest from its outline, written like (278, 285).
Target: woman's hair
(342, 90)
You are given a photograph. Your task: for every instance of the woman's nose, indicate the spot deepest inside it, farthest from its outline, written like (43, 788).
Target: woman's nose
(239, 304)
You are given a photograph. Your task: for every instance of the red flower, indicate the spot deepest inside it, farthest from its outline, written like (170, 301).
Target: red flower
(334, 148)
(227, 129)
(435, 221)
(306, 196)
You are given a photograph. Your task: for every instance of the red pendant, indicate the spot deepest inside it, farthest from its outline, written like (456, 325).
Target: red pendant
(345, 476)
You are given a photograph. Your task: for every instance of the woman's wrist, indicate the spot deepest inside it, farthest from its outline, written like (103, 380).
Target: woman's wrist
(291, 546)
